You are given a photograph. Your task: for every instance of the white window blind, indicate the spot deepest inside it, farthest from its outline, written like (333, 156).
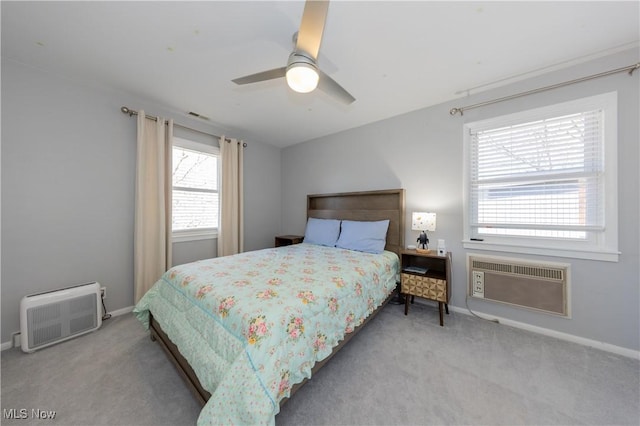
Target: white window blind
(541, 178)
(195, 190)
(544, 181)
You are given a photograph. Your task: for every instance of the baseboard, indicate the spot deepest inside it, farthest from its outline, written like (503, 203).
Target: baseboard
(122, 311)
(8, 345)
(619, 350)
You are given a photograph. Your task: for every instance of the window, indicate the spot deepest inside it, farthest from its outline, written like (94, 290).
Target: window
(195, 190)
(544, 181)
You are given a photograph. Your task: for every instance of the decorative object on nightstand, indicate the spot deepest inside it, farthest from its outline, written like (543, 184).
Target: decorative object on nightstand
(423, 222)
(426, 275)
(287, 240)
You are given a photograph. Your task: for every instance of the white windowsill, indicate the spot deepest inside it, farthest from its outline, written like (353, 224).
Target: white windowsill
(184, 236)
(605, 256)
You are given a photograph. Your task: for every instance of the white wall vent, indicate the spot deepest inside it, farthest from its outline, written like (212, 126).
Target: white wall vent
(542, 286)
(55, 316)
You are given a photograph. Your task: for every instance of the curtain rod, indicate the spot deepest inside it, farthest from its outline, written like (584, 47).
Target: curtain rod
(131, 112)
(630, 69)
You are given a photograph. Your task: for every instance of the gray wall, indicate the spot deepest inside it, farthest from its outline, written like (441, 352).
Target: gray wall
(422, 152)
(68, 164)
(68, 173)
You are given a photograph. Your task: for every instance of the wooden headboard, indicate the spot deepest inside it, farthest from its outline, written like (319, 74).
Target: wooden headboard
(367, 205)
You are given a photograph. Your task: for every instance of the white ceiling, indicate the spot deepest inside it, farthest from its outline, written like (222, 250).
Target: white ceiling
(394, 57)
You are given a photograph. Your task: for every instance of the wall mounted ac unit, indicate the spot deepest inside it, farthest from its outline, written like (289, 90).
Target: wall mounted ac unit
(541, 286)
(55, 316)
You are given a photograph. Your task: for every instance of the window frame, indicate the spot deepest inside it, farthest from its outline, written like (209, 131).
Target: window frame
(602, 245)
(199, 233)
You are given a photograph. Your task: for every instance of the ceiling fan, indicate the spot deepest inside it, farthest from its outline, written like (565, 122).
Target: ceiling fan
(302, 72)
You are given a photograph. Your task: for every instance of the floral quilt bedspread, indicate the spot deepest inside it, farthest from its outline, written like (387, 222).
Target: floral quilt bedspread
(254, 324)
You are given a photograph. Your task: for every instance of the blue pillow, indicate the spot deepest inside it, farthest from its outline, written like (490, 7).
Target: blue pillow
(369, 237)
(323, 232)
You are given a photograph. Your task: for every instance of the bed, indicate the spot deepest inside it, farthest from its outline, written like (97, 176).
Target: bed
(246, 331)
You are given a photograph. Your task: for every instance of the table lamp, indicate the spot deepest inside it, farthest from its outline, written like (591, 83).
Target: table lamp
(423, 222)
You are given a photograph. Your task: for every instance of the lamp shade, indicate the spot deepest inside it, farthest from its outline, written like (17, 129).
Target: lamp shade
(423, 221)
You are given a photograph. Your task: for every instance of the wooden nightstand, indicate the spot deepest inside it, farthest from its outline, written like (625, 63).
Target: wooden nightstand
(287, 240)
(434, 283)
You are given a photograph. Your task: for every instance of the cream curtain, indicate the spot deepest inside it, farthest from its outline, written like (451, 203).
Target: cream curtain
(152, 234)
(231, 229)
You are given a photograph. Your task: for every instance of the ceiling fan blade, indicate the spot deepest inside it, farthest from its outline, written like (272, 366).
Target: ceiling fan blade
(261, 76)
(330, 87)
(312, 27)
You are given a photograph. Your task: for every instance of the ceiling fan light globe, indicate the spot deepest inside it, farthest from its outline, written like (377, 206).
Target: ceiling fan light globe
(302, 77)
